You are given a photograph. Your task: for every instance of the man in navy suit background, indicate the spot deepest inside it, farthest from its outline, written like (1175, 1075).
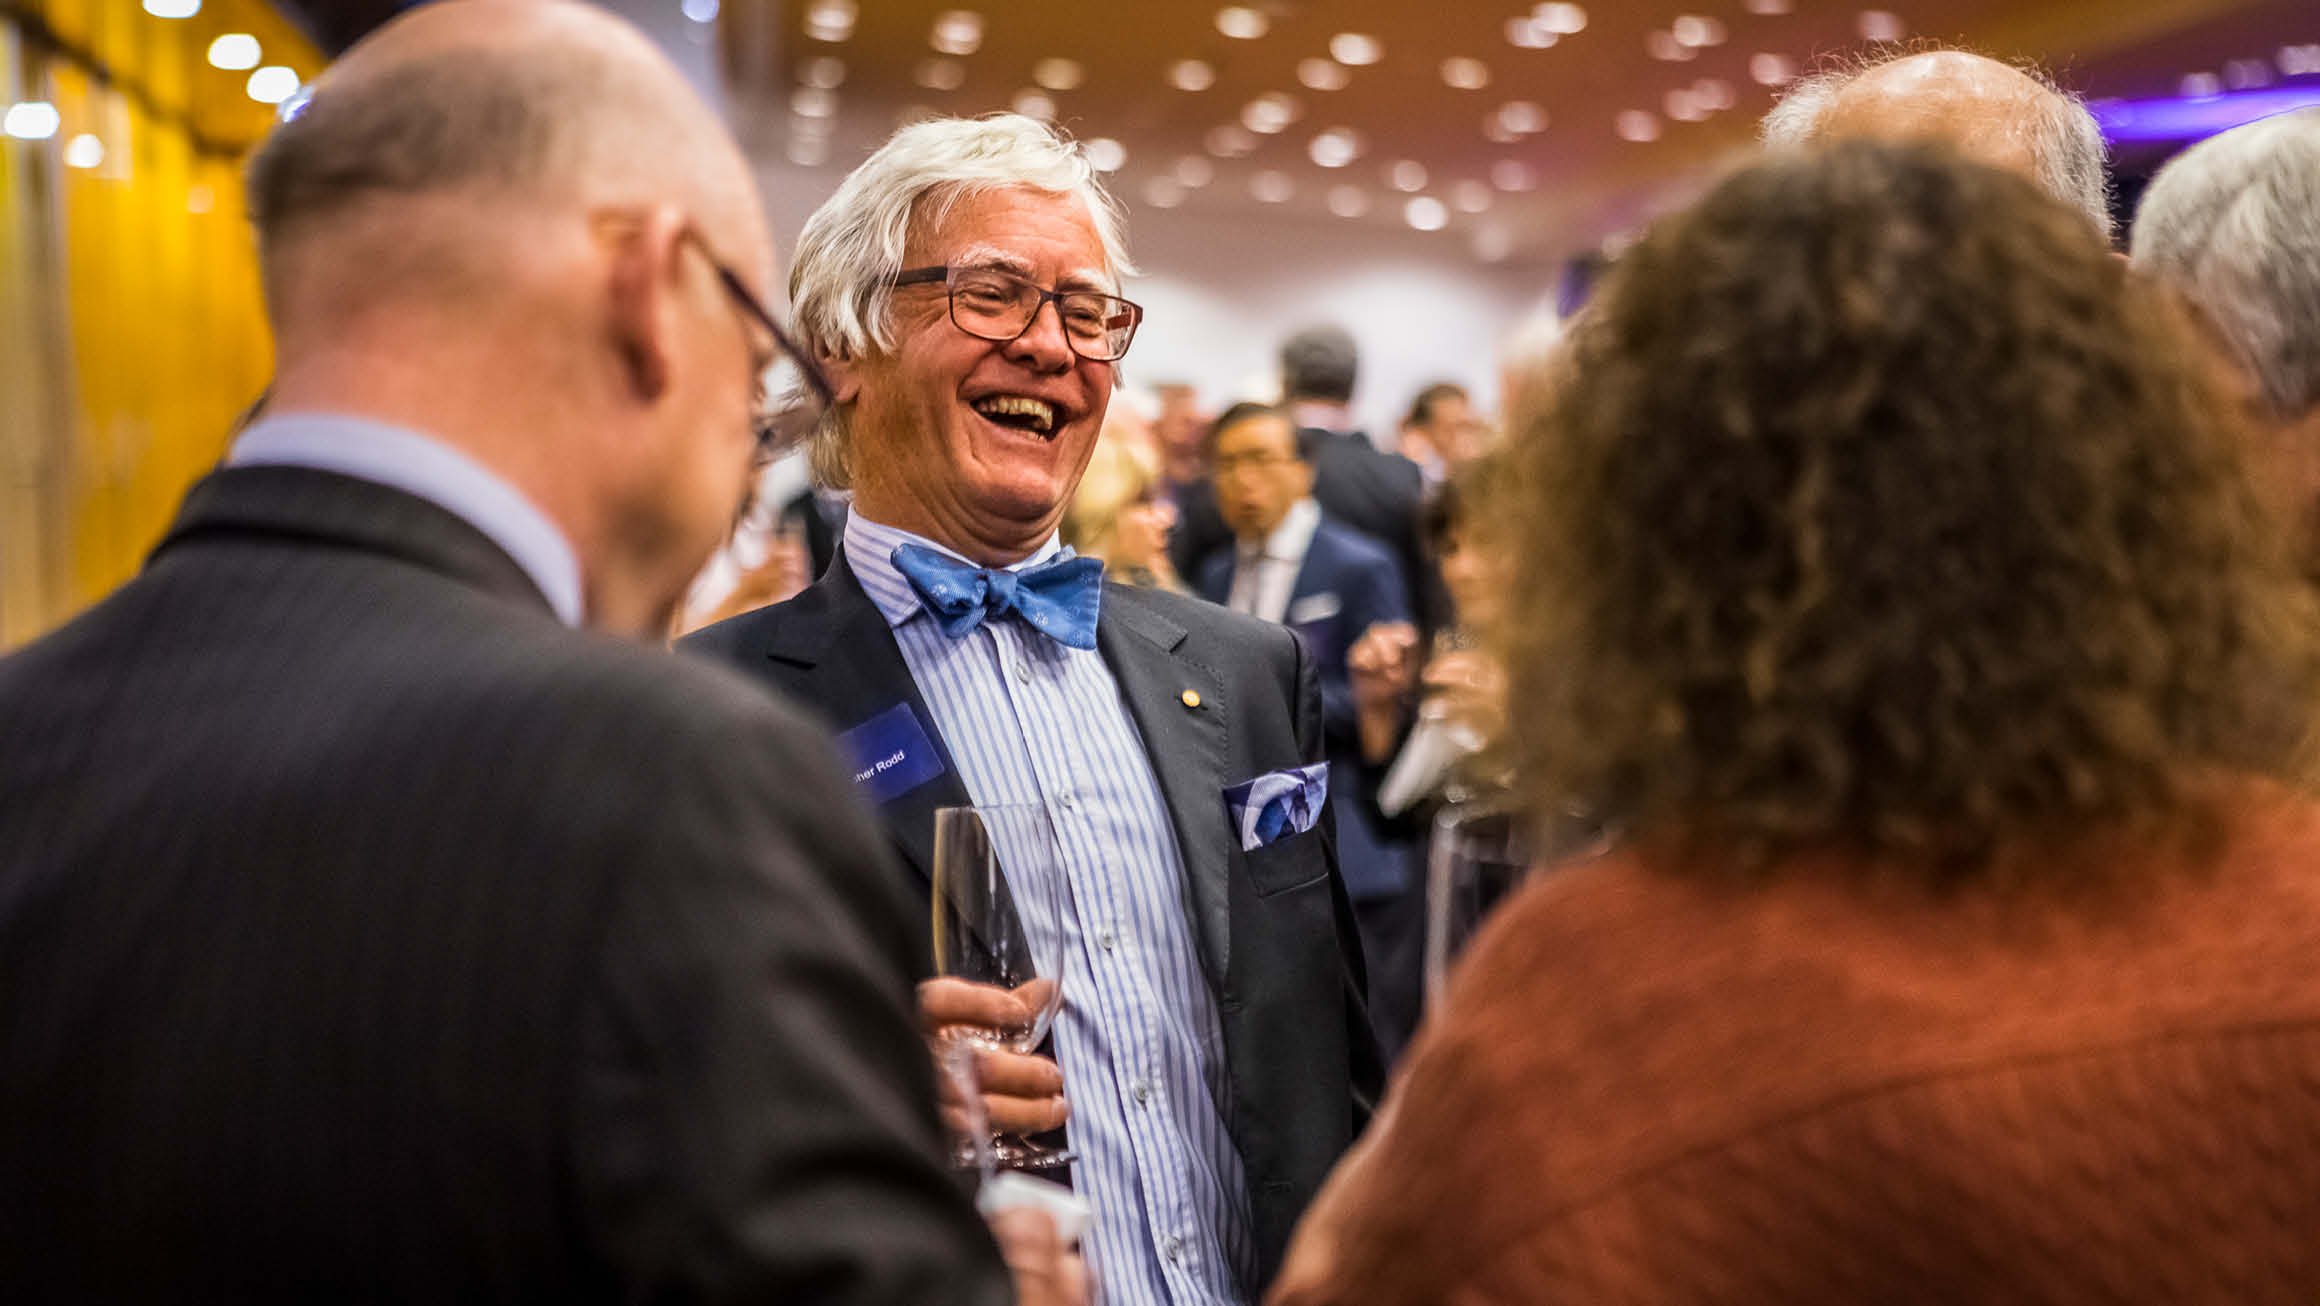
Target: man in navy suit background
(1290, 563)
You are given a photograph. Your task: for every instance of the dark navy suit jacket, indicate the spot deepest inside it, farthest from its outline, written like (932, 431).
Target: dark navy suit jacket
(1347, 583)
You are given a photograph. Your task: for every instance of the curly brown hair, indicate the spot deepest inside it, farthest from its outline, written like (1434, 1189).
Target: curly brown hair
(1876, 509)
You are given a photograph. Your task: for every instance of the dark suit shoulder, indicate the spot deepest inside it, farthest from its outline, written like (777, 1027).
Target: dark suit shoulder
(1350, 547)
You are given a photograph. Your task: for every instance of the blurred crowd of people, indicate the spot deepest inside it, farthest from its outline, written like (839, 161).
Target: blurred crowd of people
(1910, 594)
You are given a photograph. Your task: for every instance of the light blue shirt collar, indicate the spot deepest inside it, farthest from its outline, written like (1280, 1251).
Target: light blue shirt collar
(403, 459)
(870, 550)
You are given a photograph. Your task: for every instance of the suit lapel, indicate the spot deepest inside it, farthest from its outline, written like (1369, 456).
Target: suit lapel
(858, 672)
(1178, 706)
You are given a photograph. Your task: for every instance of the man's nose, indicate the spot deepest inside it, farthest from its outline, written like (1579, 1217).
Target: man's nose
(1043, 344)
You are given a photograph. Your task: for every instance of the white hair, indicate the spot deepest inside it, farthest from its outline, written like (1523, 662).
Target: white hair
(2066, 143)
(841, 282)
(2233, 223)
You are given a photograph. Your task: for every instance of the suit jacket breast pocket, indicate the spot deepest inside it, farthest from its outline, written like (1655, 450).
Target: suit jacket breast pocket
(1289, 862)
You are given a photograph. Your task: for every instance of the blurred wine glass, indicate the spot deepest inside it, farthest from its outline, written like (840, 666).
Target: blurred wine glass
(1482, 850)
(1006, 932)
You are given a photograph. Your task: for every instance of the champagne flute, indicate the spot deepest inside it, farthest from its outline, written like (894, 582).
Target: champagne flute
(1481, 852)
(1005, 929)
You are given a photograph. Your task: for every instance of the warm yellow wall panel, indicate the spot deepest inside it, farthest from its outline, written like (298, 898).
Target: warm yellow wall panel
(153, 320)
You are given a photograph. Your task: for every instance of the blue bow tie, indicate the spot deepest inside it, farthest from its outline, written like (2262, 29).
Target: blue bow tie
(1060, 599)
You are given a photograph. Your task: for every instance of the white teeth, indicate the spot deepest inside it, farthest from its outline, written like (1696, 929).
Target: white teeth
(1039, 410)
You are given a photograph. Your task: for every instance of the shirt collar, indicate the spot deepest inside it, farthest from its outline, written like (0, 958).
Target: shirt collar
(1294, 535)
(417, 464)
(870, 550)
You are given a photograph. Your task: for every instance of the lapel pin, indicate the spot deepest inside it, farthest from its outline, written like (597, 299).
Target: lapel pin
(1191, 697)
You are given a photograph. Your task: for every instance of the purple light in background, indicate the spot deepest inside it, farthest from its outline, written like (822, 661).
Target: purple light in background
(2185, 120)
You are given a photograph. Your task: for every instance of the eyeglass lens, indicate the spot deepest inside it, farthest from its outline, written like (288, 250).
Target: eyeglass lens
(998, 306)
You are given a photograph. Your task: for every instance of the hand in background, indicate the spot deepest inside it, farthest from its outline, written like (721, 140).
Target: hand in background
(1381, 667)
(1047, 1273)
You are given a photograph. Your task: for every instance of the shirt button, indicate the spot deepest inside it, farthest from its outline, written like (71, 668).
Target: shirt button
(1108, 940)
(1142, 1092)
(1023, 671)
(1069, 802)
(1173, 1249)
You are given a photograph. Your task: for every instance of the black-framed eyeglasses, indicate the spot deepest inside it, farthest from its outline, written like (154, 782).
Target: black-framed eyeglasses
(792, 393)
(994, 305)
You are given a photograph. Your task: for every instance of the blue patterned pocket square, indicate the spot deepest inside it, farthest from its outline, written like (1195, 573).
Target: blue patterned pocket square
(1277, 804)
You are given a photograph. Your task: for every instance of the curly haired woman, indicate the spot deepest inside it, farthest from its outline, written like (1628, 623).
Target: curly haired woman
(1884, 561)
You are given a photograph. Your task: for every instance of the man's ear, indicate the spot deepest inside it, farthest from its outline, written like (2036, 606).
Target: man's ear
(644, 250)
(844, 373)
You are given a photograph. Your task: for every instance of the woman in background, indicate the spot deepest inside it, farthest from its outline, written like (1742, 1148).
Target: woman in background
(1885, 564)
(1120, 516)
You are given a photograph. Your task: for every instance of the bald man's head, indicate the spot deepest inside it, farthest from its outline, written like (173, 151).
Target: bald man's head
(490, 108)
(1989, 111)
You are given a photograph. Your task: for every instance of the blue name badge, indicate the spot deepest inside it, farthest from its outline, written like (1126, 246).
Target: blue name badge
(891, 754)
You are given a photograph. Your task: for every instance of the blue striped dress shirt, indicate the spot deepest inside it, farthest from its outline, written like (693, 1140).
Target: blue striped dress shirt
(1029, 721)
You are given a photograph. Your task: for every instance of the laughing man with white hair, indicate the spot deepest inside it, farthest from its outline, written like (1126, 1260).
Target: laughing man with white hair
(962, 289)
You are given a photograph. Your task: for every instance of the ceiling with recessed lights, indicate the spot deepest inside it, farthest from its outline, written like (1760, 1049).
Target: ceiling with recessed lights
(1519, 131)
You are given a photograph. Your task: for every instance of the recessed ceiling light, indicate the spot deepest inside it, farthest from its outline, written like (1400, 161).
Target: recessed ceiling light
(1163, 192)
(1348, 201)
(1230, 141)
(1336, 147)
(2247, 74)
(272, 84)
(826, 71)
(809, 151)
(31, 121)
(1495, 130)
(1271, 113)
(84, 151)
(1562, 19)
(1493, 244)
(1523, 117)
(1681, 106)
(813, 102)
(1637, 125)
(1105, 154)
(173, 8)
(2201, 86)
(1035, 104)
(1272, 187)
(1242, 23)
(1409, 174)
(830, 20)
(1664, 45)
(234, 52)
(1882, 25)
(1512, 176)
(940, 74)
(1194, 171)
(701, 11)
(1769, 8)
(1323, 74)
(1470, 196)
(1713, 94)
(2297, 60)
(1771, 69)
(1426, 214)
(1528, 34)
(957, 31)
(1697, 32)
(1191, 75)
(1058, 74)
(1465, 74)
(1355, 50)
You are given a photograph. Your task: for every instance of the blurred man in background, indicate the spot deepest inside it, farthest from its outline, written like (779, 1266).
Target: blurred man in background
(1992, 112)
(367, 932)
(1442, 431)
(2233, 226)
(963, 287)
(1291, 564)
(1358, 484)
